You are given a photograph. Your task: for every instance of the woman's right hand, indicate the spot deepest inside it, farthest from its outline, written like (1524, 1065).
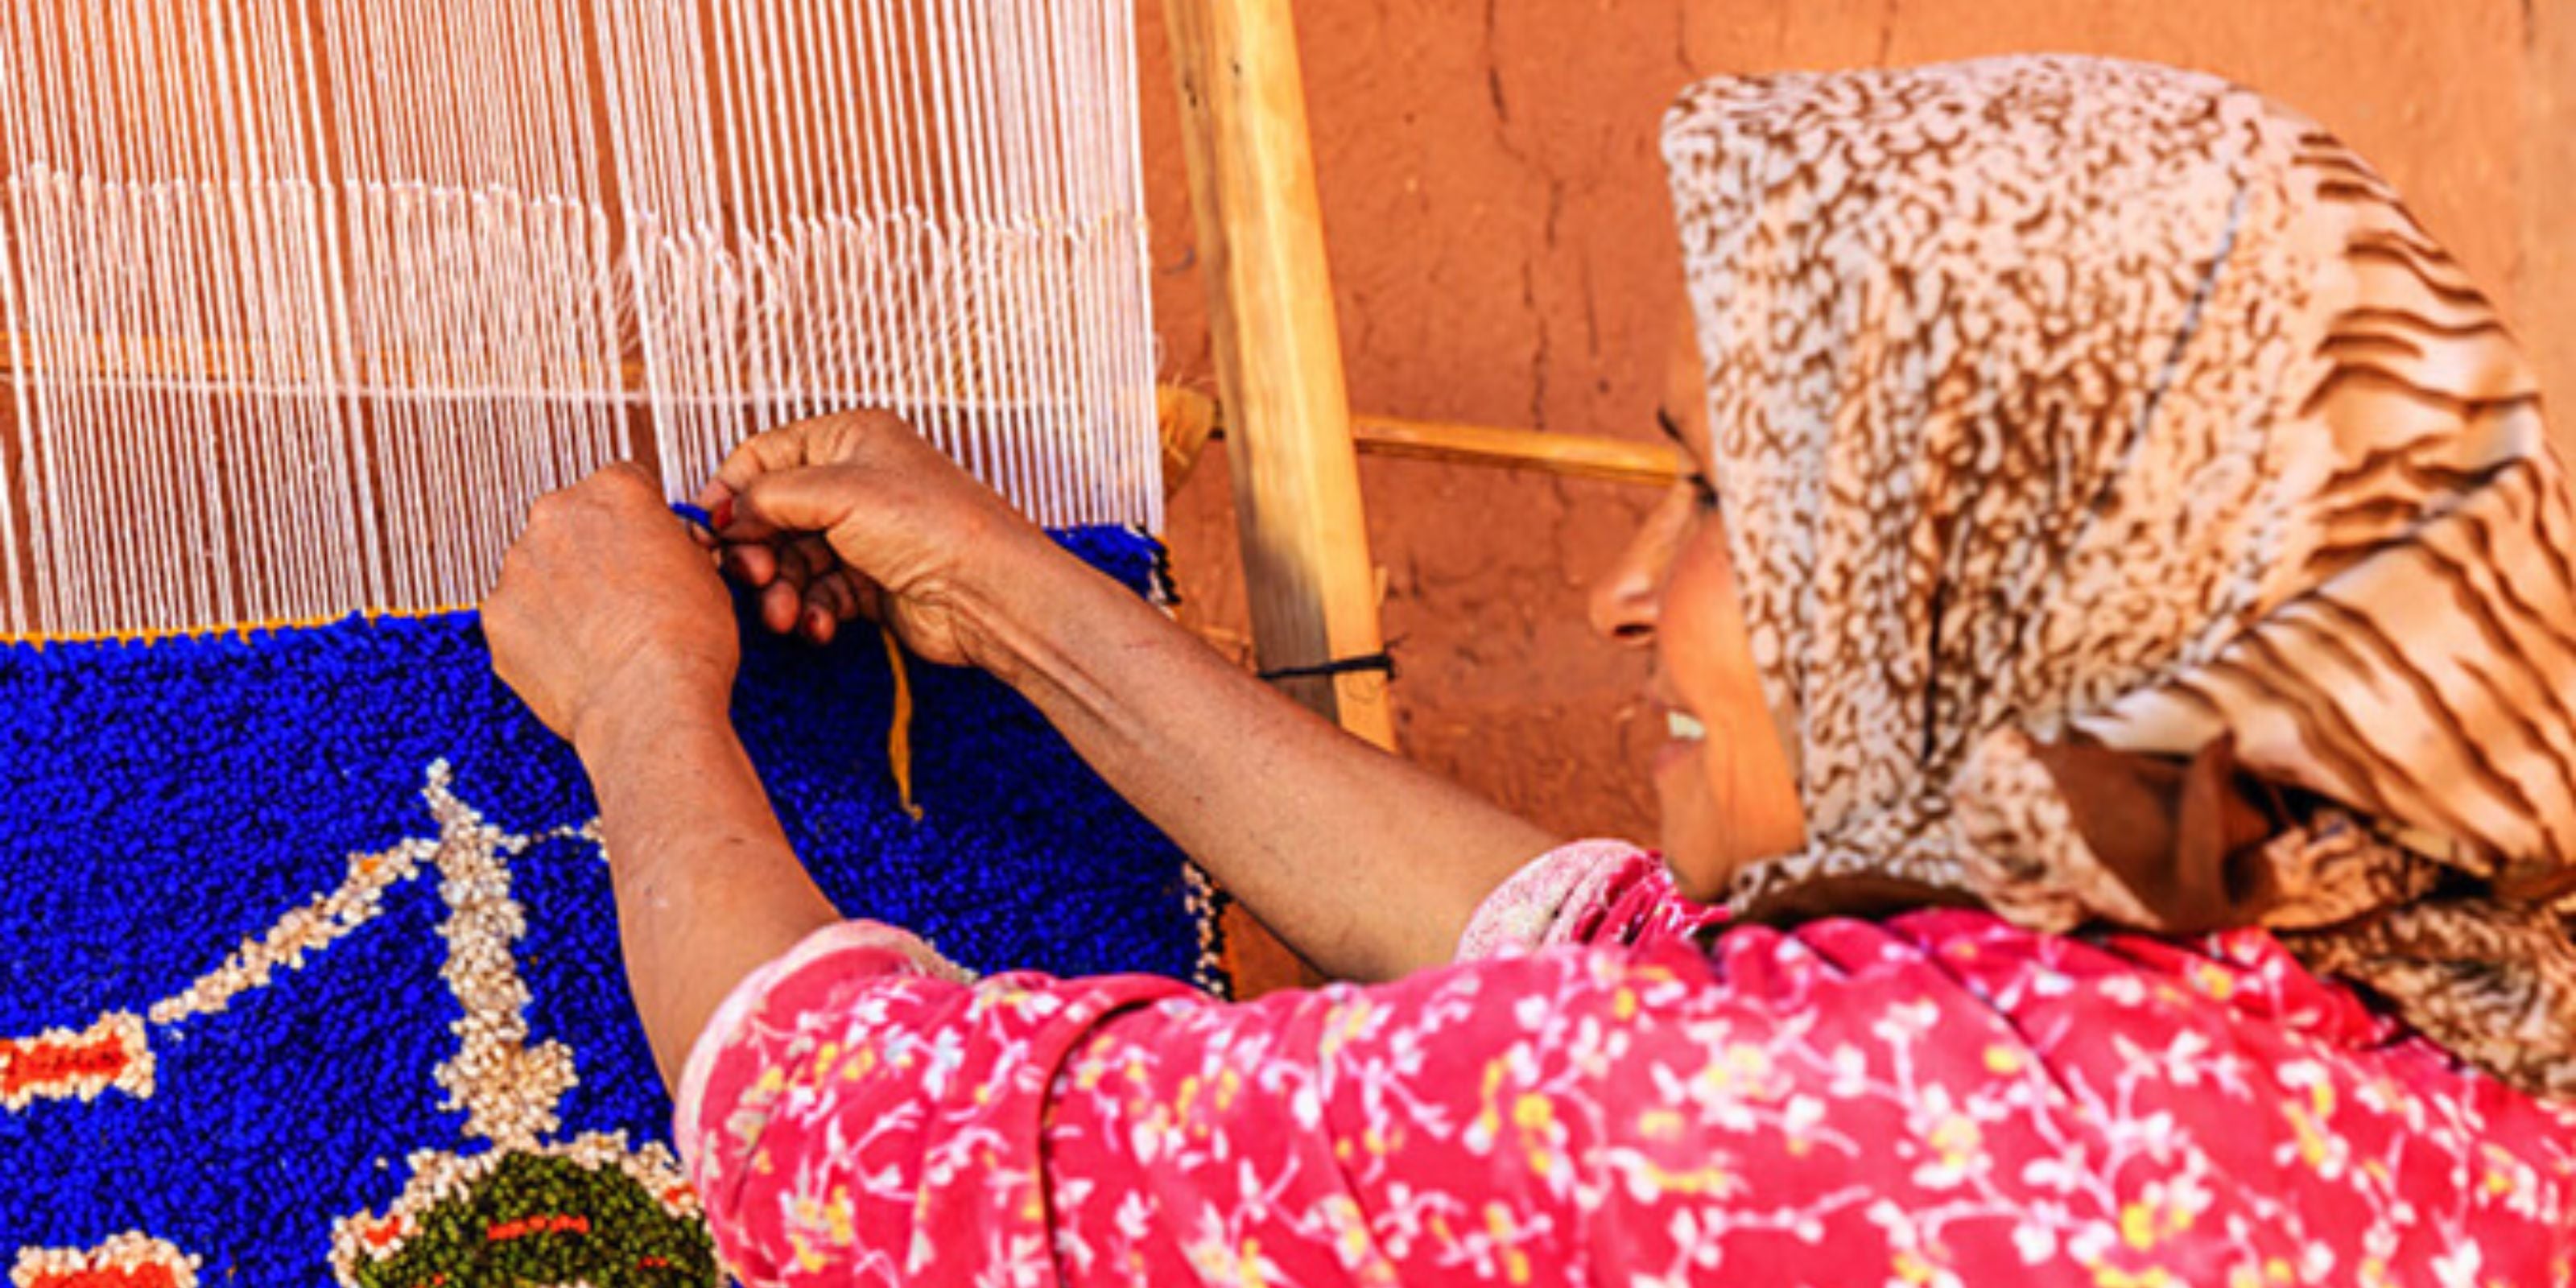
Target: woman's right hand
(853, 515)
(1367, 864)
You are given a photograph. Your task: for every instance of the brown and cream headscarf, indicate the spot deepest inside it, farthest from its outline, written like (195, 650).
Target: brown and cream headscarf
(2140, 521)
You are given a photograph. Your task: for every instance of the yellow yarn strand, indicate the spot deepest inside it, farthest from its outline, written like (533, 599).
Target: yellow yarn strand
(899, 735)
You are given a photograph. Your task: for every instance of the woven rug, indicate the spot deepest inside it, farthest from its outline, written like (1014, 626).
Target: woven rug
(308, 963)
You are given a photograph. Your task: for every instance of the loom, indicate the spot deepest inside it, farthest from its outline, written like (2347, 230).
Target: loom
(374, 275)
(332, 290)
(306, 302)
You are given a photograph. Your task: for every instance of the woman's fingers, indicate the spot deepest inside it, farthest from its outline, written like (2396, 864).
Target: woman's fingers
(782, 604)
(823, 442)
(816, 608)
(867, 599)
(831, 593)
(791, 446)
(806, 558)
(804, 587)
(751, 563)
(811, 604)
(813, 498)
(823, 515)
(798, 559)
(820, 576)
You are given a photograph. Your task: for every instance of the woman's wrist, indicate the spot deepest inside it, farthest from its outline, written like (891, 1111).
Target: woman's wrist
(642, 701)
(1013, 605)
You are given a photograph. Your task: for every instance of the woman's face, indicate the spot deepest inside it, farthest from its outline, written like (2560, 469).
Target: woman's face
(1723, 778)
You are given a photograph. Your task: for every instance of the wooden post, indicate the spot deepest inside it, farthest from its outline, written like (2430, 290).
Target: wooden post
(1306, 568)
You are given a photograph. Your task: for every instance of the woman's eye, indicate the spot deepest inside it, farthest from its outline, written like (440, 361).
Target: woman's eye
(1703, 493)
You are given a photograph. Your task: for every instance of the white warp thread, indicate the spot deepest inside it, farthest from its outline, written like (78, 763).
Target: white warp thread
(309, 299)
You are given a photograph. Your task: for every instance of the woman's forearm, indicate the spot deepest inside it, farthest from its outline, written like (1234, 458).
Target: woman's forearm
(1364, 863)
(707, 887)
(1367, 865)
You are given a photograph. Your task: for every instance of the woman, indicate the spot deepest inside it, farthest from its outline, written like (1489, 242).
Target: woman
(2112, 512)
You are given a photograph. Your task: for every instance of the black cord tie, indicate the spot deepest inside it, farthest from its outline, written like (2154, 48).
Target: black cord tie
(1379, 661)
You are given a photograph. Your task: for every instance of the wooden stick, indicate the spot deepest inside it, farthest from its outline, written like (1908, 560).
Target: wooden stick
(1307, 575)
(1191, 420)
(1613, 460)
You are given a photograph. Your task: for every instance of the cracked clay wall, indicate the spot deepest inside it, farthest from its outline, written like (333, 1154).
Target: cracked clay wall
(1502, 254)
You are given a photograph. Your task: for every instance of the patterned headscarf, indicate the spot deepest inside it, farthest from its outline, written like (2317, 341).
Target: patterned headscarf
(2140, 520)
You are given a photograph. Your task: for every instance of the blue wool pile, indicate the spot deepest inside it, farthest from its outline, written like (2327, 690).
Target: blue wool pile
(159, 803)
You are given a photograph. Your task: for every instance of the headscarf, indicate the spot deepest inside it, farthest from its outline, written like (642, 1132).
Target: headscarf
(2139, 521)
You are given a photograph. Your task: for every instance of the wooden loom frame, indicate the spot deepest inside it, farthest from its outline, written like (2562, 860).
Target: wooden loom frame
(1291, 440)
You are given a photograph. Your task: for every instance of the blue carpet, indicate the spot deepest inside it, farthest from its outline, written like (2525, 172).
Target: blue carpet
(160, 804)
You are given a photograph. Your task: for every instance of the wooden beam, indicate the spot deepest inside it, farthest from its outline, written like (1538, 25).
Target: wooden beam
(1307, 575)
(1191, 420)
(1612, 460)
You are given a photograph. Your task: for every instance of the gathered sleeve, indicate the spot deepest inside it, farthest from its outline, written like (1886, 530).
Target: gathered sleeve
(1588, 892)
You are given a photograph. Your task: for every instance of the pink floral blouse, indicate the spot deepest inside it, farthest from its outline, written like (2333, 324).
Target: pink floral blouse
(1598, 1092)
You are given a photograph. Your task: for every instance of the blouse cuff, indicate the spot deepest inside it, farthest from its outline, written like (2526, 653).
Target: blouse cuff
(1546, 902)
(844, 947)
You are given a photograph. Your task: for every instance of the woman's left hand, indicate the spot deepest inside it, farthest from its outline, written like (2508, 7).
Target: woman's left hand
(613, 625)
(605, 605)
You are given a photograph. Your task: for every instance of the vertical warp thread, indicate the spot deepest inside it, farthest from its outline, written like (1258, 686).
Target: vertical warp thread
(307, 300)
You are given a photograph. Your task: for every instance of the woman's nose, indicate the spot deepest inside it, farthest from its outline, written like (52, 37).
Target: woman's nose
(1625, 600)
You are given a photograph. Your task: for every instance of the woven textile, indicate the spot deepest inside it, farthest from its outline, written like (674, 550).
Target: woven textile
(308, 962)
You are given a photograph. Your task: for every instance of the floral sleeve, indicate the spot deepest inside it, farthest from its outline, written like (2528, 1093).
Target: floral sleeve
(1588, 892)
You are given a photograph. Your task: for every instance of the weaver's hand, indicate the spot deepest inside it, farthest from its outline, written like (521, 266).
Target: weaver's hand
(604, 605)
(852, 515)
(1367, 864)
